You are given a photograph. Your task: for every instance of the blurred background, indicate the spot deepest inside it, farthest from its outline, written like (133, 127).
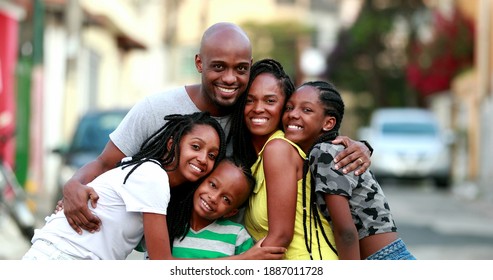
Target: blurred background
(61, 60)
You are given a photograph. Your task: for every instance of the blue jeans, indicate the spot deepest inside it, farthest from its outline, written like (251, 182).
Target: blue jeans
(396, 250)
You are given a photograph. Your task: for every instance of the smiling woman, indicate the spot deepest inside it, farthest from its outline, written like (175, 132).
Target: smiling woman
(133, 197)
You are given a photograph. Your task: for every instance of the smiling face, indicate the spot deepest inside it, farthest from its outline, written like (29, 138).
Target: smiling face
(219, 195)
(264, 106)
(224, 61)
(304, 119)
(198, 151)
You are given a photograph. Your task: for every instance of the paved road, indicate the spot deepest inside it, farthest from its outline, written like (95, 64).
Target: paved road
(442, 225)
(436, 225)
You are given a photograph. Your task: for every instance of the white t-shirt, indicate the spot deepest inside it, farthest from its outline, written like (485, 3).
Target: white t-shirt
(119, 207)
(147, 116)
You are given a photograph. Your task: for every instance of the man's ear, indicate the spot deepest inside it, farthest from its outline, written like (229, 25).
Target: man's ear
(231, 213)
(329, 123)
(198, 63)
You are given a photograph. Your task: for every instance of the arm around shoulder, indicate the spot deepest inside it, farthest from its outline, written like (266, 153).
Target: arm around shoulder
(355, 157)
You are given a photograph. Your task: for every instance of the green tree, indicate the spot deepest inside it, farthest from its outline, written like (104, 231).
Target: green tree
(367, 58)
(278, 40)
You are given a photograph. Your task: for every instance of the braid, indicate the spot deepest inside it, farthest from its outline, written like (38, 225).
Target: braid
(155, 149)
(179, 213)
(242, 144)
(156, 146)
(303, 190)
(331, 99)
(334, 106)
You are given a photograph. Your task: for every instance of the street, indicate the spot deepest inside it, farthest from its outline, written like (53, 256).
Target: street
(441, 225)
(435, 224)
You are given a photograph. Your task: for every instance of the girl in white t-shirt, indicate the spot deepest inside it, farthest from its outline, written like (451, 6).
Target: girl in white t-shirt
(134, 196)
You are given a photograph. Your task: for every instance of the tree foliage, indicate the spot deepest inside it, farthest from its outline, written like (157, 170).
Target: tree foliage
(365, 60)
(278, 40)
(372, 57)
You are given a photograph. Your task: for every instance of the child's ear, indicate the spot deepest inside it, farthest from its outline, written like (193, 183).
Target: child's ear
(231, 213)
(169, 144)
(329, 123)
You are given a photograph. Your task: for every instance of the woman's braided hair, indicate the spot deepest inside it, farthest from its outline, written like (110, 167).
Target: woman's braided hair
(240, 136)
(334, 106)
(155, 149)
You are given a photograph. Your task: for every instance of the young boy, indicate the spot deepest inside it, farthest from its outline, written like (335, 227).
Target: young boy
(219, 196)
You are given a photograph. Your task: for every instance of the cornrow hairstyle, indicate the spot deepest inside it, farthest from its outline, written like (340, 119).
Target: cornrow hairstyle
(239, 135)
(334, 106)
(180, 210)
(155, 149)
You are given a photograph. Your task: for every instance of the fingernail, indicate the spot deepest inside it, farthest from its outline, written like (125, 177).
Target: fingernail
(336, 167)
(344, 171)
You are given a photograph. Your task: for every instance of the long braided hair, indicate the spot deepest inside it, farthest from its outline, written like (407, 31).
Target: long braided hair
(334, 106)
(155, 149)
(180, 212)
(239, 135)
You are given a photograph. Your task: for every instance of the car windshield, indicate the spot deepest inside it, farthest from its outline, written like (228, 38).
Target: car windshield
(93, 131)
(408, 129)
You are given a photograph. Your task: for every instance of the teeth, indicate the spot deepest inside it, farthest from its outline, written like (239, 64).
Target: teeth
(296, 127)
(227, 90)
(259, 121)
(196, 168)
(205, 205)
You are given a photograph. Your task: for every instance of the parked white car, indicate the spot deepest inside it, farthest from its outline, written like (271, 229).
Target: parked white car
(409, 143)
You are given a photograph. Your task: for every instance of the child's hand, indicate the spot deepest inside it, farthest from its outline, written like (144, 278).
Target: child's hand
(264, 253)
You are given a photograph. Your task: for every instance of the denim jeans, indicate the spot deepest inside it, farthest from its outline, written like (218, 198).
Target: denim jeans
(396, 250)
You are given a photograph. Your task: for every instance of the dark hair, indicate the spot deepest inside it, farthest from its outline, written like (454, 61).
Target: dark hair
(334, 106)
(156, 146)
(180, 210)
(241, 137)
(155, 149)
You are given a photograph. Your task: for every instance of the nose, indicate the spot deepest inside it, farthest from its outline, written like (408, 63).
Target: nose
(229, 76)
(258, 107)
(212, 197)
(293, 114)
(202, 157)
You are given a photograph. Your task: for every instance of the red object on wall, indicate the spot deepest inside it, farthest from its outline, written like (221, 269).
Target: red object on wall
(8, 59)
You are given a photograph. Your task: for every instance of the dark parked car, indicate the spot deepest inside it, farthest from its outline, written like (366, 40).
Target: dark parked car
(88, 141)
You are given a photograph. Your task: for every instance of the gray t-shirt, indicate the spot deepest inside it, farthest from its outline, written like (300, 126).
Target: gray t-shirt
(369, 207)
(147, 116)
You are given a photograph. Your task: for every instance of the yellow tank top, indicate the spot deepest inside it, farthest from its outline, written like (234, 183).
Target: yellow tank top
(256, 219)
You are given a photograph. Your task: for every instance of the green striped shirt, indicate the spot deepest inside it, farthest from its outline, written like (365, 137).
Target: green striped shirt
(220, 239)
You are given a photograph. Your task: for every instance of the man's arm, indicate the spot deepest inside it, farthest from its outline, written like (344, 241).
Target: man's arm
(76, 193)
(355, 157)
